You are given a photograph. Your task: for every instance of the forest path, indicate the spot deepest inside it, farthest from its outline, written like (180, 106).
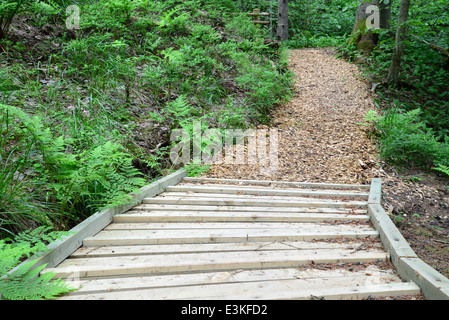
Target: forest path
(320, 138)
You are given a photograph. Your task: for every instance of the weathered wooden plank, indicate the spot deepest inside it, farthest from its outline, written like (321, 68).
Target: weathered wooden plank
(278, 183)
(94, 252)
(214, 216)
(187, 207)
(259, 191)
(244, 187)
(195, 195)
(254, 202)
(335, 290)
(307, 232)
(298, 289)
(193, 262)
(89, 286)
(393, 240)
(433, 284)
(375, 194)
(196, 226)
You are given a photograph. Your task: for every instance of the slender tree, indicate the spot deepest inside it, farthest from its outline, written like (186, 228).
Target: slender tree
(282, 29)
(393, 75)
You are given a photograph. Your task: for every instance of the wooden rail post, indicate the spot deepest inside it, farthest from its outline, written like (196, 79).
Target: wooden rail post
(256, 14)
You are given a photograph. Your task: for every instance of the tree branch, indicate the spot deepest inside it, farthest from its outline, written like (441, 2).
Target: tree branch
(434, 47)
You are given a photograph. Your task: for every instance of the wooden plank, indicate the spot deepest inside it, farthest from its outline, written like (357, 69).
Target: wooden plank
(260, 22)
(375, 194)
(270, 187)
(170, 207)
(391, 237)
(194, 195)
(195, 226)
(433, 284)
(264, 191)
(89, 286)
(110, 238)
(298, 289)
(254, 202)
(279, 183)
(210, 261)
(110, 251)
(214, 216)
(335, 290)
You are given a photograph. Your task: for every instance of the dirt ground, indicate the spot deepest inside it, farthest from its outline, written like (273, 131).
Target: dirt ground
(320, 139)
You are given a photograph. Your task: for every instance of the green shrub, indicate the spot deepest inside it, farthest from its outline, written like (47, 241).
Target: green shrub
(405, 139)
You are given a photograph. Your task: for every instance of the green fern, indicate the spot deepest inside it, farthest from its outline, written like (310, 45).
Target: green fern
(26, 283)
(101, 176)
(442, 169)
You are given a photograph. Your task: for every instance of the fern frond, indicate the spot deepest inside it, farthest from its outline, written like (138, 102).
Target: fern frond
(26, 284)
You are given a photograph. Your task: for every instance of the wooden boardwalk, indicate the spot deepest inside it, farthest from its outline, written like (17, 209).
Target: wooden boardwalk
(226, 239)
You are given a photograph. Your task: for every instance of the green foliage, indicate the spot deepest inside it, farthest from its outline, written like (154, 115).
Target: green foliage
(335, 18)
(99, 176)
(170, 22)
(444, 169)
(194, 170)
(265, 84)
(414, 128)
(309, 40)
(123, 9)
(25, 283)
(18, 206)
(405, 139)
(8, 10)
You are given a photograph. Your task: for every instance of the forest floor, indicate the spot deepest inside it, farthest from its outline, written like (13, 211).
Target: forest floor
(321, 139)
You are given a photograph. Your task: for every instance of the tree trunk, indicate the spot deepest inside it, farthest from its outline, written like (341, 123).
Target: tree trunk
(361, 15)
(282, 30)
(385, 14)
(393, 75)
(364, 39)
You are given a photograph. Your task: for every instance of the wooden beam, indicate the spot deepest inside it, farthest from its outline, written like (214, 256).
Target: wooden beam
(279, 183)
(375, 194)
(254, 202)
(217, 216)
(265, 191)
(305, 233)
(209, 261)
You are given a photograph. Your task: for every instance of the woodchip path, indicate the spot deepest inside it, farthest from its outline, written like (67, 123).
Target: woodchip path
(233, 239)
